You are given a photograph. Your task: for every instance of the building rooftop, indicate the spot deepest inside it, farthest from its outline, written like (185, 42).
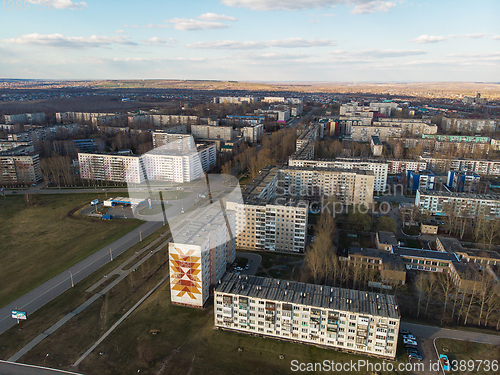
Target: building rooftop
(388, 238)
(445, 193)
(376, 140)
(427, 254)
(294, 292)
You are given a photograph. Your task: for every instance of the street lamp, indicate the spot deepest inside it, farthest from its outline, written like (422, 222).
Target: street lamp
(140, 235)
(72, 283)
(111, 254)
(45, 359)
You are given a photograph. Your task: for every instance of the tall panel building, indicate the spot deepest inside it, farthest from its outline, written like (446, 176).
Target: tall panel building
(200, 254)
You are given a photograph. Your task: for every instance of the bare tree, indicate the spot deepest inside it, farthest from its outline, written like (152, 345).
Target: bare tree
(445, 285)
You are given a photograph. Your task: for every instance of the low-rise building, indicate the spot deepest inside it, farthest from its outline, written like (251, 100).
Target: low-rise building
(376, 145)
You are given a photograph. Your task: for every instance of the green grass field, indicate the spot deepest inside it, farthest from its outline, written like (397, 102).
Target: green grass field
(188, 344)
(464, 351)
(37, 242)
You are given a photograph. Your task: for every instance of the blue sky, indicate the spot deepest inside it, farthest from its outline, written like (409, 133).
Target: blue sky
(252, 40)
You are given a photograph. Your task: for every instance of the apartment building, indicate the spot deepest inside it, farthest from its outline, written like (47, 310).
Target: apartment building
(309, 135)
(244, 120)
(272, 224)
(162, 138)
(463, 181)
(412, 127)
(25, 118)
(166, 163)
(397, 166)
(481, 167)
(235, 99)
(349, 186)
(161, 120)
(475, 126)
(19, 165)
(332, 318)
(200, 254)
(8, 145)
(212, 132)
(363, 133)
(253, 133)
(386, 108)
(462, 204)
(376, 145)
(421, 180)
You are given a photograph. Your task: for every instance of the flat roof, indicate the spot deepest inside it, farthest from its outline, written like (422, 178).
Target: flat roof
(487, 197)
(332, 298)
(127, 200)
(427, 254)
(388, 238)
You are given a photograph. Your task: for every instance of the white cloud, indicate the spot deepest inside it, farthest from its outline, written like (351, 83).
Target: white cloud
(370, 54)
(60, 4)
(496, 37)
(470, 36)
(429, 39)
(119, 31)
(440, 38)
(186, 24)
(61, 41)
(360, 6)
(283, 43)
(216, 17)
(157, 41)
(272, 56)
(148, 26)
(373, 6)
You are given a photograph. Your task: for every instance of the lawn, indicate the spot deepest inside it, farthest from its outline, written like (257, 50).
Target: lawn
(40, 241)
(188, 344)
(465, 351)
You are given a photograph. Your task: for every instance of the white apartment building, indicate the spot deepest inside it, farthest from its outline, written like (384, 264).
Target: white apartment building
(19, 165)
(111, 167)
(387, 108)
(348, 186)
(161, 138)
(348, 320)
(310, 134)
(212, 132)
(474, 126)
(402, 165)
(481, 167)
(278, 224)
(200, 254)
(253, 133)
(25, 118)
(165, 163)
(363, 132)
(463, 204)
(379, 168)
(234, 99)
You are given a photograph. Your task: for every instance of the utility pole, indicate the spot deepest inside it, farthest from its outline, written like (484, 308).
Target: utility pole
(111, 254)
(71, 275)
(140, 235)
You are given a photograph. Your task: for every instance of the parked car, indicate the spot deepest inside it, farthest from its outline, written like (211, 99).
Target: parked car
(411, 346)
(404, 332)
(412, 350)
(411, 337)
(415, 356)
(408, 341)
(443, 358)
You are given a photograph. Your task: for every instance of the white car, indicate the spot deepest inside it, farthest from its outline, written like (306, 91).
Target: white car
(409, 342)
(409, 337)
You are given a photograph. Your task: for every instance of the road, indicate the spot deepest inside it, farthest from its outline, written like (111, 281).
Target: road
(253, 262)
(9, 368)
(52, 288)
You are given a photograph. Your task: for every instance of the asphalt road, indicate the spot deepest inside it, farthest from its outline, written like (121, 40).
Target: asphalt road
(49, 290)
(253, 262)
(427, 334)
(11, 368)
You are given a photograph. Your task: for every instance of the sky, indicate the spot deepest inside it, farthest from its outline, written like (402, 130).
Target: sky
(252, 40)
